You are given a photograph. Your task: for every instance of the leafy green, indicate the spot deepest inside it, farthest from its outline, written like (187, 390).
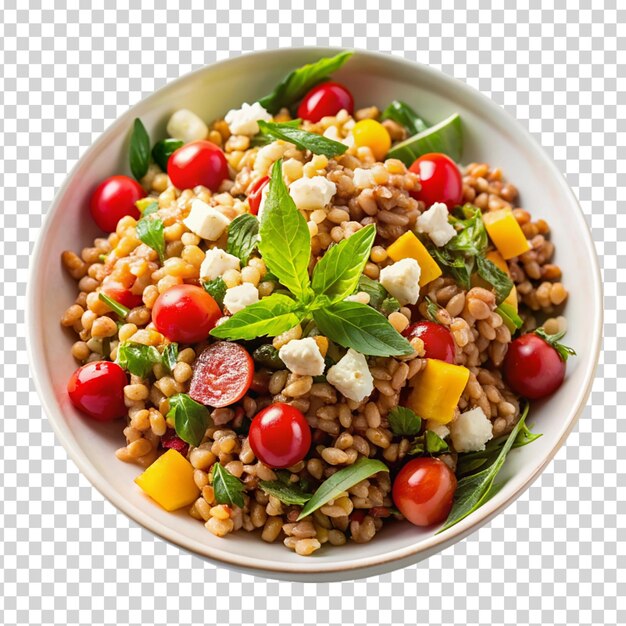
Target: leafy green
(472, 238)
(262, 140)
(498, 279)
(216, 288)
(342, 481)
(114, 305)
(190, 418)
(509, 316)
(315, 143)
(267, 356)
(389, 305)
(164, 149)
(147, 206)
(433, 443)
(454, 264)
(243, 237)
(139, 151)
(404, 115)
(404, 422)
(228, 489)
(295, 85)
(170, 355)
(432, 310)
(373, 289)
(286, 493)
(150, 231)
(137, 358)
(553, 340)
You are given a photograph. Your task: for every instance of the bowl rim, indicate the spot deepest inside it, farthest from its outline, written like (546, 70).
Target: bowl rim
(265, 566)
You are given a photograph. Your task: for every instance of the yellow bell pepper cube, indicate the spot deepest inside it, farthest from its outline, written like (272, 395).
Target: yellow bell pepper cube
(169, 481)
(437, 390)
(506, 233)
(408, 246)
(496, 258)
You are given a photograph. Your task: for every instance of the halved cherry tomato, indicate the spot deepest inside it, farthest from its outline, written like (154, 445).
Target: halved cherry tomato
(280, 435)
(97, 389)
(325, 100)
(197, 163)
(114, 198)
(222, 374)
(121, 294)
(438, 340)
(185, 313)
(256, 194)
(423, 491)
(440, 179)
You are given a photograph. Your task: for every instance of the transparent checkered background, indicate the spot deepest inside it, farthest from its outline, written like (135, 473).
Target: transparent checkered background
(68, 556)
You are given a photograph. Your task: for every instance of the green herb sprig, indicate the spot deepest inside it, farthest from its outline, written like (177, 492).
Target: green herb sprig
(317, 144)
(228, 489)
(190, 418)
(150, 231)
(139, 151)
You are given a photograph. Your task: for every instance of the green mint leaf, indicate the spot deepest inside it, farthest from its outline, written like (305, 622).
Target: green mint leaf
(243, 237)
(317, 144)
(287, 493)
(139, 151)
(553, 340)
(190, 418)
(337, 273)
(268, 317)
(404, 422)
(434, 443)
(472, 236)
(266, 355)
(150, 231)
(164, 149)
(404, 115)
(216, 288)
(114, 305)
(342, 481)
(228, 488)
(498, 279)
(137, 358)
(295, 85)
(358, 326)
(170, 355)
(285, 240)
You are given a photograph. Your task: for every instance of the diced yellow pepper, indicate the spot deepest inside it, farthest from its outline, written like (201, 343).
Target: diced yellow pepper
(496, 258)
(506, 233)
(437, 390)
(408, 246)
(169, 481)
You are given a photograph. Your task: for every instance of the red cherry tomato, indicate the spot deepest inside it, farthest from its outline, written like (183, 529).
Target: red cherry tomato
(279, 435)
(532, 367)
(197, 163)
(423, 491)
(256, 194)
(97, 389)
(438, 340)
(121, 294)
(185, 313)
(325, 100)
(222, 374)
(114, 198)
(440, 179)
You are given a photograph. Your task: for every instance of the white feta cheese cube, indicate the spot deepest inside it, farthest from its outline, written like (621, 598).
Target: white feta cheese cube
(363, 178)
(216, 262)
(243, 121)
(439, 429)
(206, 221)
(351, 376)
(401, 280)
(186, 125)
(302, 357)
(238, 298)
(435, 223)
(471, 431)
(313, 193)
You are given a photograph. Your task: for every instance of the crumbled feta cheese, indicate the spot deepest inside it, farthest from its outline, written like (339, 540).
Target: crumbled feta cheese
(351, 376)
(187, 126)
(303, 357)
(401, 280)
(206, 221)
(439, 429)
(243, 121)
(216, 262)
(313, 193)
(239, 297)
(363, 178)
(435, 223)
(471, 431)
(333, 133)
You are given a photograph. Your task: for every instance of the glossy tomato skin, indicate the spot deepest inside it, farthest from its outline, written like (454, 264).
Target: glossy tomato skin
(440, 180)
(325, 100)
(121, 294)
(185, 313)
(114, 198)
(423, 491)
(197, 163)
(256, 194)
(97, 389)
(438, 340)
(279, 435)
(222, 374)
(532, 367)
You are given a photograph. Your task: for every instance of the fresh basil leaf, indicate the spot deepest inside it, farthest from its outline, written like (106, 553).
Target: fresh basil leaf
(287, 493)
(295, 85)
(114, 305)
(216, 288)
(164, 149)
(455, 265)
(285, 240)
(553, 340)
(139, 152)
(404, 422)
(266, 355)
(317, 144)
(373, 289)
(358, 326)
(262, 140)
(150, 231)
(342, 481)
(190, 418)
(434, 443)
(137, 358)
(147, 206)
(228, 489)
(389, 305)
(243, 237)
(268, 317)
(170, 355)
(404, 115)
(498, 279)
(472, 238)
(337, 273)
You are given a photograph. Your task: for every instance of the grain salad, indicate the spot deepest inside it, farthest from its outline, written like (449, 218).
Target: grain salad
(312, 320)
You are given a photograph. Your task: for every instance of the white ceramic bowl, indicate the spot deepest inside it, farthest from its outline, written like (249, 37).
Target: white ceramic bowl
(491, 135)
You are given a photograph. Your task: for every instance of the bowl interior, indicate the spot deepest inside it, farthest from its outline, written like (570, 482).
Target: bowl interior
(490, 136)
